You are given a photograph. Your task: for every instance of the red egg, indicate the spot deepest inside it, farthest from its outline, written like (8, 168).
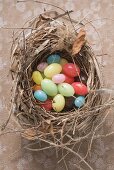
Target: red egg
(80, 88)
(68, 79)
(47, 105)
(71, 70)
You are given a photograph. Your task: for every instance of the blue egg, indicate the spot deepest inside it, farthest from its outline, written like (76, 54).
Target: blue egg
(79, 101)
(40, 95)
(54, 58)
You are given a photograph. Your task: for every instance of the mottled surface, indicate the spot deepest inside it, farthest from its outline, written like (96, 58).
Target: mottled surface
(15, 15)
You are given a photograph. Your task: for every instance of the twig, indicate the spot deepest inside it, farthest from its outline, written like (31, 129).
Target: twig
(104, 136)
(40, 2)
(93, 134)
(79, 157)
(64, 160)
(40, 149)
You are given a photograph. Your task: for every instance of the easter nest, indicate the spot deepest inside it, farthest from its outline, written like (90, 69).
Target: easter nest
(53, 33)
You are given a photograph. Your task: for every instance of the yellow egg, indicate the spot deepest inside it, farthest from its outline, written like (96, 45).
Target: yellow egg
(37, 77)
(58, 103)
(63, 61)
(52, 70)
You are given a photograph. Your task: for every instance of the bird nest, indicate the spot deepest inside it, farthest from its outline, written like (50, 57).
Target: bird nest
(47, 34)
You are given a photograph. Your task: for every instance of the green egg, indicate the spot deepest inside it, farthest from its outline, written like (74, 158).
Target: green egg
(66, 89)
(49, 87)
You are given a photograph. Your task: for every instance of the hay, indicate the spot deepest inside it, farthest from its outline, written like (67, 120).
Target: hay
(49, 33)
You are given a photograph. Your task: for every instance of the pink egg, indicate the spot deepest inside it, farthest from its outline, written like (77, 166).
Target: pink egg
(58, 78)
(42, 66)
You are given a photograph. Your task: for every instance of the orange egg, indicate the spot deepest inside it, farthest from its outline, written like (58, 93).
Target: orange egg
(36, 87)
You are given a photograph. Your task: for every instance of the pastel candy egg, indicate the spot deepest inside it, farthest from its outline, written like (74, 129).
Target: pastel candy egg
(66, 89)
(71, 70)
(40, 95)
(37, 77)
(54, 58)
(58, 78)
(36, 87)
(42, 66)
(49, 87)
(68, 79)
(58, 103)
(63, 61)
(47, 105)
(80, 88)
(79, 101)
(52, 70)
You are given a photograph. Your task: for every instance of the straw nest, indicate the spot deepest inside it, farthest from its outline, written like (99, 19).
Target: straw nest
(49, 33)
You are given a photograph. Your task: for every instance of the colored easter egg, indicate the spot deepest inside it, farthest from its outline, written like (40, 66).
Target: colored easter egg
(40, 95)
(52, 70)
(49, 87)
(58, 103)
(36, 87)
(41, 67)
(47, 105)
(63, 61)
(71, 70)
(68, 79)
(66, 89)
(58, 78)
(37, 77)
(54, 58)
(69, 103)
(80, 88)
(79, 101)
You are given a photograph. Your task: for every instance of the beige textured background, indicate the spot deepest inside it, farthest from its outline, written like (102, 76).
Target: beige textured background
(14, 14)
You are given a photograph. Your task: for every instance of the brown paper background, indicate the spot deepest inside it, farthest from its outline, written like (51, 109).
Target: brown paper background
(15, 15)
